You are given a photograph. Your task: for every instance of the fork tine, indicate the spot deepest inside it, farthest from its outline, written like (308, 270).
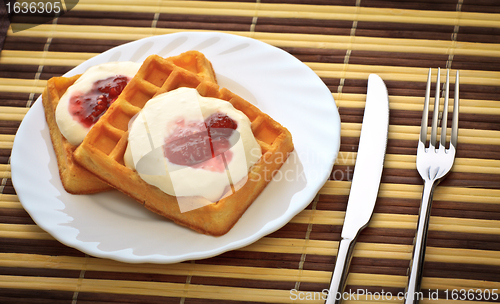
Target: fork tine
(445, 110)
(425, 112)
(433, 165)
(436, 112)
(454, 123)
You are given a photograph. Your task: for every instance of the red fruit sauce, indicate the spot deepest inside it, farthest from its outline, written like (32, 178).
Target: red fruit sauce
(198, 144)
(88, 108)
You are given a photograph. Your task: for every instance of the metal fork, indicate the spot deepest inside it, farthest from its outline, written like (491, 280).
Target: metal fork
(433, 163)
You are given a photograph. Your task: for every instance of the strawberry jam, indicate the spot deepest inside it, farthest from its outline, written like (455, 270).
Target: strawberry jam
(88, 108)
(198, 144)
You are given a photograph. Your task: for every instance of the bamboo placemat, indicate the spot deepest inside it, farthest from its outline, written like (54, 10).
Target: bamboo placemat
(342, 41)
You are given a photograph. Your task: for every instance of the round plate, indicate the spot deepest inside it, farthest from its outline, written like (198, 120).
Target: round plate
(111, 225)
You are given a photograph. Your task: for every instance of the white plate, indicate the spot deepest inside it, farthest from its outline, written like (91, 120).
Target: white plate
(111, 225)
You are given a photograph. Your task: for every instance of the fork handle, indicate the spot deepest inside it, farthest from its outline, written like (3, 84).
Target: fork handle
(412, 294)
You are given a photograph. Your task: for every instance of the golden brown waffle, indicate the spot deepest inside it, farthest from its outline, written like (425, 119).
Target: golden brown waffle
(76, 179)
(197, 63)
(103, 149)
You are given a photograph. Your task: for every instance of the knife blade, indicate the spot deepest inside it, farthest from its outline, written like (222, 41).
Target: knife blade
(365, 181)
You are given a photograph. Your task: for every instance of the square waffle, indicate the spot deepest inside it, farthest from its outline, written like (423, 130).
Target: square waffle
(76, 179)
(103, 149)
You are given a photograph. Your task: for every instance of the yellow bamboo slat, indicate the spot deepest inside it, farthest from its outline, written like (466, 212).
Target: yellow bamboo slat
(394, 73)
(12, 113)
(6, 54)
(438, 283)
(13, 110)
(377, 44)
(41, 61)
(83, 32)
(182, 269)
(220, 292)
(471, 195)
(408, 73)
(25, 235)
(23, 232)
(375, 250)
(7, 138)
(9, 198)
(22, 89)
(280, 40)
(411, 103)
(470, 136)
(62, 284)
(402, 221)
(10, 205)
(20, 228)
(22, 85)
(6, 141)
(11, 117)
(22, 82)
(397, 161)
(144, 288)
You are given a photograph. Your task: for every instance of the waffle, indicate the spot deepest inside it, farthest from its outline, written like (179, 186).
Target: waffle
(103, 149)
(75, 179)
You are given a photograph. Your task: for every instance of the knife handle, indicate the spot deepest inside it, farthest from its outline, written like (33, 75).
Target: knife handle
(339, 277)
(412, 293)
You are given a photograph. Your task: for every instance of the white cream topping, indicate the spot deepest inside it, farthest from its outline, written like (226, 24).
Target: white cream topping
(72, 129)
(166, 110)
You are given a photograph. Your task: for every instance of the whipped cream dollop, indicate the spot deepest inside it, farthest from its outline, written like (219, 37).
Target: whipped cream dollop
(185, 110)
(69, 124)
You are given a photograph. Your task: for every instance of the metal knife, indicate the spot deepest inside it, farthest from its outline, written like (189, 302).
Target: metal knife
(365, 181)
